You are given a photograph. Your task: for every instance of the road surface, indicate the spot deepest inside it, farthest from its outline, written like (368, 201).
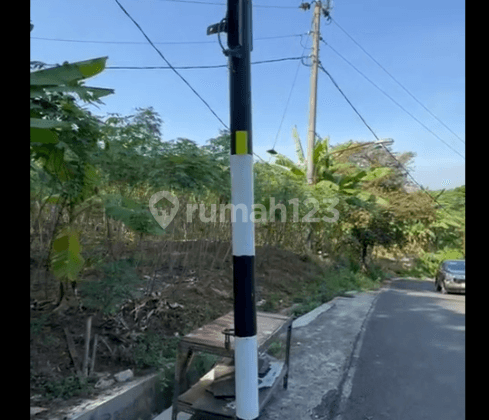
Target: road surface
(410, 361)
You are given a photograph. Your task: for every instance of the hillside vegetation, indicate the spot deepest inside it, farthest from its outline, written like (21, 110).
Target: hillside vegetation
(97, 250)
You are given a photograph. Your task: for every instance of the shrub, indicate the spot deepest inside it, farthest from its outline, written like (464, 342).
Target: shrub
(428, 262)
(106, 295)
(67, 387)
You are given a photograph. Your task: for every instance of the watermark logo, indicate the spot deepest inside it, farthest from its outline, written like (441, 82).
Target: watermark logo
(161, 216)
(258, 213)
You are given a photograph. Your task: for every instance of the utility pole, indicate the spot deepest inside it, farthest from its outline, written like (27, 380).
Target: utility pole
(311, 135)
(238, 25)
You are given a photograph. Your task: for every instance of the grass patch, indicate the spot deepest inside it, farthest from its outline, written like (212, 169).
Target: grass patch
(335, 282)
(68, 387)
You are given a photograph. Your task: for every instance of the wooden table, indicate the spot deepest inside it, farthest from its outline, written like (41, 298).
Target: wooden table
(211, 339)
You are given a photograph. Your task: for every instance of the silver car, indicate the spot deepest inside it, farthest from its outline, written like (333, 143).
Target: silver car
(450, 276)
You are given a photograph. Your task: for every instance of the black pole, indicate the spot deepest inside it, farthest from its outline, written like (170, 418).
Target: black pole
(239, 27)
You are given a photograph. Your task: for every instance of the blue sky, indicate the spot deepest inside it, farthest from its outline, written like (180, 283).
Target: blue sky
(421, 43)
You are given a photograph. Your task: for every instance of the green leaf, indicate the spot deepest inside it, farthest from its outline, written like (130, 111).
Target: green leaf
(377, 173)
(66, 260)
(39, 135)
(85, 93)
(68, 74)
(55, 165)
(328, 184)
(38, 123)
(298, 145)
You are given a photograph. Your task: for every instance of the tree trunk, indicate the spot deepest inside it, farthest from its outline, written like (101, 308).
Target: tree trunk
(364, 257)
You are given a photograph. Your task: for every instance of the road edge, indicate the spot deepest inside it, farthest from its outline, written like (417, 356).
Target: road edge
(345, 385)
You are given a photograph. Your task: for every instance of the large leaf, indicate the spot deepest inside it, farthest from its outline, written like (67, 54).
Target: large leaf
(377, 173)
(40, 135)
(66, 259)
(39, 123)
(86, 93)
(68, 73)
(298, 145)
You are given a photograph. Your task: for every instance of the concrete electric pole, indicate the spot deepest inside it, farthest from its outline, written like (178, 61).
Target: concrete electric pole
(311, 135)
(238, 25)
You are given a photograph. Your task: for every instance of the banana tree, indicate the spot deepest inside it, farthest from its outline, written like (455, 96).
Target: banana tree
(341, 178)
(62, 138)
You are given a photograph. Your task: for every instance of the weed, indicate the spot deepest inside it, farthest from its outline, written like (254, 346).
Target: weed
(107, 294)
(67, 387)
(277, 349)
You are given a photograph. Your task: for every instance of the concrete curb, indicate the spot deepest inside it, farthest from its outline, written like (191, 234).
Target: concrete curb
(137, 399)
(305, 319)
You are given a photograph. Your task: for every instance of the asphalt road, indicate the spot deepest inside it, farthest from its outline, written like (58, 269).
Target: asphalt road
(410, 361)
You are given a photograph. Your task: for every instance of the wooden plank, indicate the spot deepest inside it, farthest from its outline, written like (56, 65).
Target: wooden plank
(211, 335)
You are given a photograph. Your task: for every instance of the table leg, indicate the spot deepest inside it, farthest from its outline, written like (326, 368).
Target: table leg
(181, 365)
(287, 355)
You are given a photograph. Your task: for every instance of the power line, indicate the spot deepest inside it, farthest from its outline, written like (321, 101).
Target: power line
(347, 100)
(397, 81)
(375, 135)
(224, 4)
(156, 43)
(290, 94)
(169, 64)
(196, 67)
(397, 103)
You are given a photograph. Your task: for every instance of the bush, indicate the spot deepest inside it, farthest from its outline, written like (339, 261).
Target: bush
(428, 262)
(106, 295)
(152, 350)
(67, 387)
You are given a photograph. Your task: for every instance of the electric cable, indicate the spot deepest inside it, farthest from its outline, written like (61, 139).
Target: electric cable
(275, 60)
(397, 81)
(169, 64)
(393, 100)
(288, 98)
(156, 43)
(375, 135)
(224, 4)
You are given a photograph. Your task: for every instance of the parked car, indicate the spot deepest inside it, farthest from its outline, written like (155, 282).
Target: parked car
(450, 276)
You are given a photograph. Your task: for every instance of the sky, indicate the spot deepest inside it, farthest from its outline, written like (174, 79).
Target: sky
(420, 43)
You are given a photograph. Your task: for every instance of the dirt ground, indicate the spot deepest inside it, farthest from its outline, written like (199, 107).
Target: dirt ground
(183, 286)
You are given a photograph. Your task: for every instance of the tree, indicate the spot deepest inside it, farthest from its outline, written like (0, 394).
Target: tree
(63, 137)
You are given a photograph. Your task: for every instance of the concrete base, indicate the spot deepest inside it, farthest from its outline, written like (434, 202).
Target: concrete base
(135, 400)
(166, 415)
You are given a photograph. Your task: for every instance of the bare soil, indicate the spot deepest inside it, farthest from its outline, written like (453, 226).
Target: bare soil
(184, 285)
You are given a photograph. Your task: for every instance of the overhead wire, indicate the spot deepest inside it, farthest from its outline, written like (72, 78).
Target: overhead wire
(290, 95)
(395, 102)
(402, 166)
(169, 64)
(224, 4)
(275, 60)
(156, 43)
(397, 81)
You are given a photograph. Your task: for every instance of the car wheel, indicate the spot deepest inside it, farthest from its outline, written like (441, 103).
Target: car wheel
(437, 286)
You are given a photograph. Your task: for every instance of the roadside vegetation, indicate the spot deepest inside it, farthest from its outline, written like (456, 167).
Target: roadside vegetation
(96, 249)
